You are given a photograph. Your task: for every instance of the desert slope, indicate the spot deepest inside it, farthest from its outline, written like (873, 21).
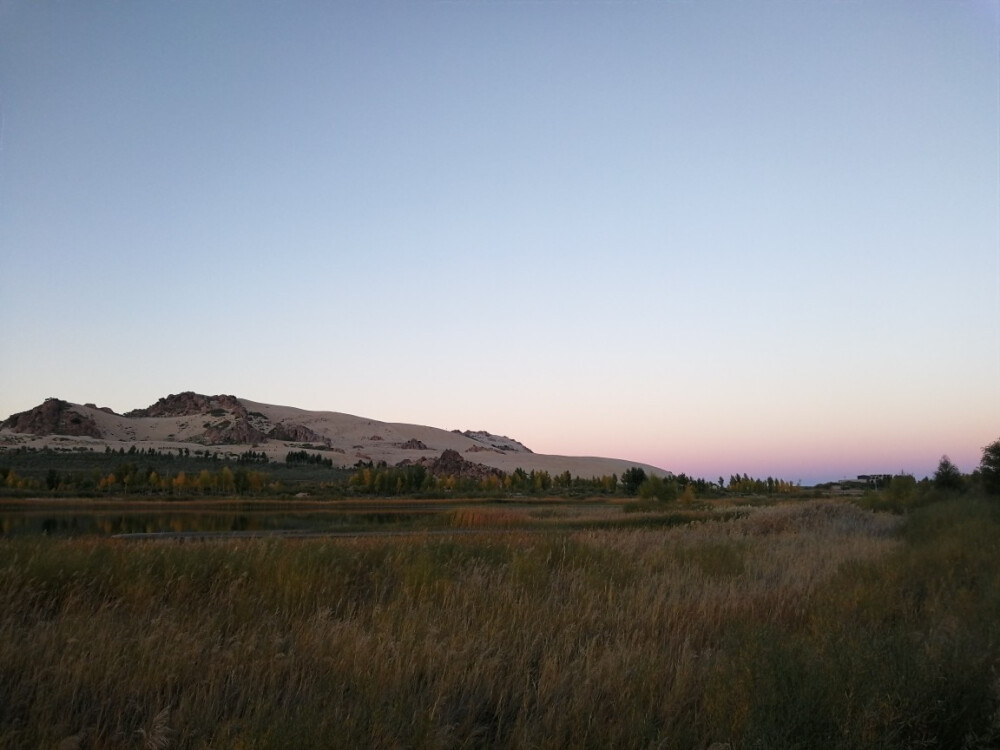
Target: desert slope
(231, 425)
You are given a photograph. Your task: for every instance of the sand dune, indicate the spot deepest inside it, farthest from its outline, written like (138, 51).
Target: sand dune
(230, 425)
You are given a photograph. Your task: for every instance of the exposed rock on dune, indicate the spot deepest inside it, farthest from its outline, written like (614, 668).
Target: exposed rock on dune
(451, 463)
(413, 445)
(53, 417)
(296, 432)
(234, 424)
(497, 442)
(188, 404)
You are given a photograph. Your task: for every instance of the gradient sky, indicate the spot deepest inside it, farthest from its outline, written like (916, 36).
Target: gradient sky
(717, 237)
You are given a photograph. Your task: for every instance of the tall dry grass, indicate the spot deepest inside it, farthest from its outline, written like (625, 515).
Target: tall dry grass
(765, 631)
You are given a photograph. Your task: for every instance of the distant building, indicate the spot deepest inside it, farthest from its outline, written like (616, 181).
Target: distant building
(875, 480)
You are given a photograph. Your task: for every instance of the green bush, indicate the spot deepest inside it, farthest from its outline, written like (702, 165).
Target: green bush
(654, 487)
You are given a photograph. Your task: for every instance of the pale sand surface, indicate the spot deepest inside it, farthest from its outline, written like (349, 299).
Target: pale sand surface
(352, 439)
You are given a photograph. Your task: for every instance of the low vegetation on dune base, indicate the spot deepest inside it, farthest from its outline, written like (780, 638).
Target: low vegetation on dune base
(816, 624)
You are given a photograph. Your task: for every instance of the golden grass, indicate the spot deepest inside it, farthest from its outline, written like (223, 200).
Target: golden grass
(637, 638)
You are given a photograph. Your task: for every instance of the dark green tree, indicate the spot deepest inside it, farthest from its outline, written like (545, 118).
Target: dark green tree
(989, 468)
(241, 481)
(632, 480)
(948, 477)
(519, 480)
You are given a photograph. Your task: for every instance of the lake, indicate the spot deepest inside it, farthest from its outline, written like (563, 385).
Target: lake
(75, 519)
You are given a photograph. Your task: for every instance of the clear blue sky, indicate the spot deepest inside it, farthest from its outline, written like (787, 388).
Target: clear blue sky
(718, 237)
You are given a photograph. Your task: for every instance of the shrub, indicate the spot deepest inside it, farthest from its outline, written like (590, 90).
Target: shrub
(658, 488)
(989, 468)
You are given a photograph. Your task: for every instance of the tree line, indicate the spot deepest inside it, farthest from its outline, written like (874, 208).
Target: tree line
(381, 479)
(904, 491)
(128, 479)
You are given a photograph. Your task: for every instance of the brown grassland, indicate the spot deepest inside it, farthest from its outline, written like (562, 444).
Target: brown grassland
(806, 624)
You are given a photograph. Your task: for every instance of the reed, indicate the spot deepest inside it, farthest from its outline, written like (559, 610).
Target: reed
(815, 624)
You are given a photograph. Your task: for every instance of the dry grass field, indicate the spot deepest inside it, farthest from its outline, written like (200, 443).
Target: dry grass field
(813, 624)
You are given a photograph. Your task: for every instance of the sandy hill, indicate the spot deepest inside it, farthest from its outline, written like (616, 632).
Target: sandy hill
(232, 425)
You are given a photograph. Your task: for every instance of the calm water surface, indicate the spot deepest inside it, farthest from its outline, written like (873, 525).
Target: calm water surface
(103, 522)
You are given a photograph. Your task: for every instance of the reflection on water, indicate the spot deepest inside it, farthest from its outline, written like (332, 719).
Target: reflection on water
(108, 523)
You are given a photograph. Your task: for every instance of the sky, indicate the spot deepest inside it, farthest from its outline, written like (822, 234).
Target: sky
(717, 237)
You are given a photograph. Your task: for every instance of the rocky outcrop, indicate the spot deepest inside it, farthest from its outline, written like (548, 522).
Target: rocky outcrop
(105, 409)
(483, 449)
(413, 445)
(53, 417)
(236, 426)
(236, 432)
(188, 404)
(502, 443)
(297, 433)
(450, 463)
